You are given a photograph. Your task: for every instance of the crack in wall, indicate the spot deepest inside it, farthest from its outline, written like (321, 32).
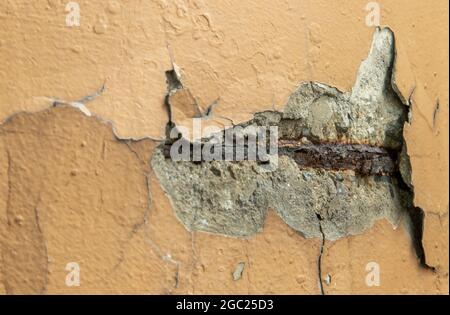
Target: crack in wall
(8, 175)
(44, 242)
(24, 242)
(319, 258)
(166, 258)
(416, 216)
(8, 288)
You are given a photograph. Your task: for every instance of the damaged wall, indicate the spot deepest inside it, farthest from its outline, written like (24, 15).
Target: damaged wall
(232, 198)
(72, 191)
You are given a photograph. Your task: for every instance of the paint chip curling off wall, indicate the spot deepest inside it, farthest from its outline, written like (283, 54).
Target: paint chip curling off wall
(315, 195)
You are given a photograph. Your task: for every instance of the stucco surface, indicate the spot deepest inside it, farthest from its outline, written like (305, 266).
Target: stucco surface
(72, 191)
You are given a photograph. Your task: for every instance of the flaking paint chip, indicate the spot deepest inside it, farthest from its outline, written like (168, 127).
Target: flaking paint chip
(237, 274)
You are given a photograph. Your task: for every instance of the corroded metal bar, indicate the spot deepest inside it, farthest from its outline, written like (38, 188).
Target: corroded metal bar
(362, 159)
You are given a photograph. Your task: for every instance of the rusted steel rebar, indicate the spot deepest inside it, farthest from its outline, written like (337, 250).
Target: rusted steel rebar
(363, 159)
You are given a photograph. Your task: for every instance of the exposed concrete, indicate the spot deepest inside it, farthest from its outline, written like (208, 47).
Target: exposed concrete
(232, 198)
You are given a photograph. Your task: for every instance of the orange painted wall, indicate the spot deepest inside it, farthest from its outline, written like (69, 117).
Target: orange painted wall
(70, 191)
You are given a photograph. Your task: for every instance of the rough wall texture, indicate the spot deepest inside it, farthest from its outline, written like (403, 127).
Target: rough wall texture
(73, 189)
